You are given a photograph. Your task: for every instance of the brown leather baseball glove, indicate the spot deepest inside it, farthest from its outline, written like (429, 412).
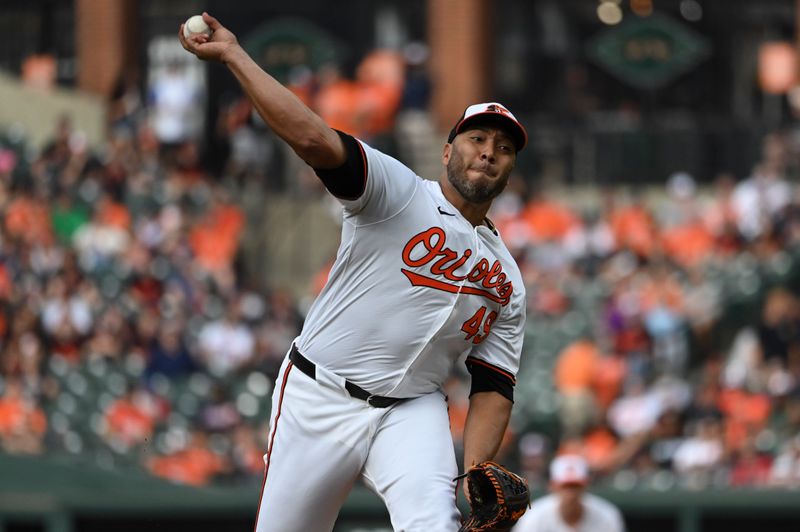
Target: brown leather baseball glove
(498, 498)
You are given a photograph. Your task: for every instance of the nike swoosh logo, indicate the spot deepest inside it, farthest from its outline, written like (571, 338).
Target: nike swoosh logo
(445, 213)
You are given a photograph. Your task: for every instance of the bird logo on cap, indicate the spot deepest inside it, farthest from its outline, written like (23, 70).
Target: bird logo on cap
(498, 109)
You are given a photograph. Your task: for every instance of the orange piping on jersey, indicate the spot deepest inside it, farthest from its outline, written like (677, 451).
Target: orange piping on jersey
(364, 163)
(473, 360)
(272, 439)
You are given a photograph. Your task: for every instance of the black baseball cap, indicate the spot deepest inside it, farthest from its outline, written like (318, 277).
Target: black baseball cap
(495, 114)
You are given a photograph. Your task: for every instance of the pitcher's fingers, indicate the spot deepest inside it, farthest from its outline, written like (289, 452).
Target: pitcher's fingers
(182, 39)
(211, 21)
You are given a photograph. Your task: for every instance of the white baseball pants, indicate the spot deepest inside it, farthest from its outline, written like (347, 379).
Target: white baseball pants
(322, 440)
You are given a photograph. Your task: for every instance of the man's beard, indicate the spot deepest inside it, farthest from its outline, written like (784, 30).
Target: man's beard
(478, 191)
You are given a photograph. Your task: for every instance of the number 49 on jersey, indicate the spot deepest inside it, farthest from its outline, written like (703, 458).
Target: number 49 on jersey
(479, 325)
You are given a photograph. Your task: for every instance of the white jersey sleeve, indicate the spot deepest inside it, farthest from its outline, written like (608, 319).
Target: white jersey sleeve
(389, 187)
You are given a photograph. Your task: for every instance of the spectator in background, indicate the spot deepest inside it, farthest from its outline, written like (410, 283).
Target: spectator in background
(750, 467)
(785, 470)
(380, 77)
(658, 444)
(215, 238)
(624, 320)
(569, 508)
(98, 242)
(195, 464)
(417, 86)
(131, 419)
(785, 421)
(219, 413)
(632, 225)
(66, 318)
(548, 219)
(227, 344)
(746, 414)
(533, 459)
(590, 242)
(596, 445)
(636, 411)
(126, 105)
(574, 378)
(173, 100)
(22, 422)
(779, 328)
(28, 219)
(146, 327)
(168, 354)
(759, 199)
(699, 455)
(110, 335)
(336, 99)
(250, 151)
(67, 217)
(24, 355)
(247, 453)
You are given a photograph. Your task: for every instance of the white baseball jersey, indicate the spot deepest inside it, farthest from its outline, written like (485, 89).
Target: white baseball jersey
(414, 287)
(599, 515)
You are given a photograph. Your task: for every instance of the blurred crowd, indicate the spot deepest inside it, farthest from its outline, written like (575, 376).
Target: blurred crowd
(119, 279)
(663, 340)
(675, 360)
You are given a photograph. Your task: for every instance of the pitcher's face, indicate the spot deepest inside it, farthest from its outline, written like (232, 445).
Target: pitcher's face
(479, 161)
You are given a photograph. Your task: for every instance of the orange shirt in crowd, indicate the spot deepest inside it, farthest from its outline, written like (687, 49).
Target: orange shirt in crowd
(6, 283)
(215, 240)
(598, 448)
(29, 219)
(633, 228)
(548, 220)
(688, 244)
(128, 422)
(576, 365)
(195, 466)
(380, 77)
(376, 109)
(337, 104)
(746, 413)
(610, 372)
(17, 415)
(252, 459)
(661, 291)
(114, 214)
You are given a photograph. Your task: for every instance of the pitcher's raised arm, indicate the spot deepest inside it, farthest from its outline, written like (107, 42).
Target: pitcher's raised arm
(301, 128)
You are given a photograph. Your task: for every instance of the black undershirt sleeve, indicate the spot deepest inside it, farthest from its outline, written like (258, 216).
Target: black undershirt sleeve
(487, 378)
(350, 179)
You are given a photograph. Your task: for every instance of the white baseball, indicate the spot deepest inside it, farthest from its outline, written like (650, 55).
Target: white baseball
(195, 25)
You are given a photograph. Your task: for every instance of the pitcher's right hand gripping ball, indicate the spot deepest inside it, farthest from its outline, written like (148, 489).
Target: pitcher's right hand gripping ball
(498, 498)
(208, 46)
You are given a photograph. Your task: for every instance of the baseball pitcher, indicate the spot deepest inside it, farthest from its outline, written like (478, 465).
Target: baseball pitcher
(421, 280)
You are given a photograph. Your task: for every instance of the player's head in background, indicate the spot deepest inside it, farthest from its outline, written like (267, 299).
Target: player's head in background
(569, 476)
(481, 151)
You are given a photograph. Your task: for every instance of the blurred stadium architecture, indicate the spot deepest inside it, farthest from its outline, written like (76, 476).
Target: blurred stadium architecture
(159, 246)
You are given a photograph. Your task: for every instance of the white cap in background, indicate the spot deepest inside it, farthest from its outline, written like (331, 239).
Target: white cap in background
(569, 469)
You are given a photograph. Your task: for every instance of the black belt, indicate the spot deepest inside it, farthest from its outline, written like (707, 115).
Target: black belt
(310, 369)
